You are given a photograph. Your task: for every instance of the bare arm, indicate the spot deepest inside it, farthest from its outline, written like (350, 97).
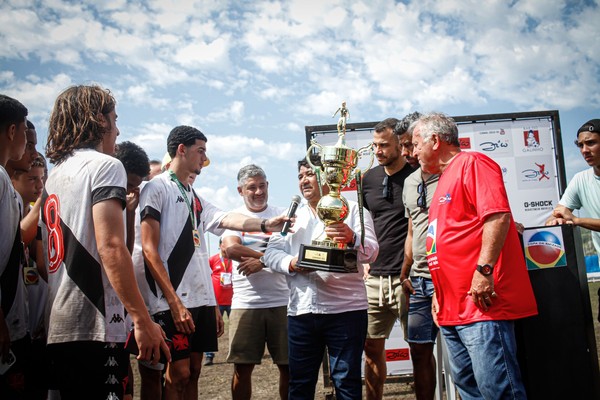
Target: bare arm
(132, 202)
(495, 229)
(29, 224)
(407, 287)
(248, 259)
(235, 250)
(116, 261)
(241, 222)
(564, 215)
(150, 239)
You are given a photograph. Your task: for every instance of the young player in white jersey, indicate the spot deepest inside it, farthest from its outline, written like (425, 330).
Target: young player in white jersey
(260, 296)
(14, 341)
(90, 272)
(174, 220)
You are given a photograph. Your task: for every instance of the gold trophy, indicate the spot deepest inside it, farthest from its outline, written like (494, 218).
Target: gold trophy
(338, 169)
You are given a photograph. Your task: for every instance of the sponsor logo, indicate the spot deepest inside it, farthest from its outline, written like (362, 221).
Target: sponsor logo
(445, 199)
(111, 380)
(531, 139)
(540, 203)
(544, 250)
(493, 146)
(179, 200)
(537, 174)
(397, 355)
(465, 143)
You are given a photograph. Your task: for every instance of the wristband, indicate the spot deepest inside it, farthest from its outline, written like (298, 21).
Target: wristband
(402, 283)
(263, 226)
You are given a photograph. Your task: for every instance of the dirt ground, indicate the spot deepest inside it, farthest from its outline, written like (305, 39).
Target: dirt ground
(215, 380)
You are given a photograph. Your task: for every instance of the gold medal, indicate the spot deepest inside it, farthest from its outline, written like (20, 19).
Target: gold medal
(196, 236)
(31, 275)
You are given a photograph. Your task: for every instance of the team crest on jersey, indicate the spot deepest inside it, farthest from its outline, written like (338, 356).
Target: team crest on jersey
(430, 245)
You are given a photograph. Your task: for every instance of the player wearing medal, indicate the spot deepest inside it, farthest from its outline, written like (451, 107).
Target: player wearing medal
(181, 298)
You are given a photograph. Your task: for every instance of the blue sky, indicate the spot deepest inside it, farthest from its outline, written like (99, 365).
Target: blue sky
(252, 74)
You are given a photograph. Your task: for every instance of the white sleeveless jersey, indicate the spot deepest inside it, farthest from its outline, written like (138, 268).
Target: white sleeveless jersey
(186, 264)
(12, 288)
(265, 288)
(82, 303)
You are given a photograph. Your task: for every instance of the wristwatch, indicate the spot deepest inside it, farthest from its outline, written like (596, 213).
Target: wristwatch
(485, 269)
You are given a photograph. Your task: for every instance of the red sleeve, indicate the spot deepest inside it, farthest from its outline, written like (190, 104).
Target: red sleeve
(484, 186)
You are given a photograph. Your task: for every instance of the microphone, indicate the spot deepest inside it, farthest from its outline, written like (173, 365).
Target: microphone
(290, 214)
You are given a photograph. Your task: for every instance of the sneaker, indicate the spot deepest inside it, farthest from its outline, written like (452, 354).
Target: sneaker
(209, 361)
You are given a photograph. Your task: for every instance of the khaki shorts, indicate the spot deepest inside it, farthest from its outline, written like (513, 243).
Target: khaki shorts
(383, 309)
(250, 329)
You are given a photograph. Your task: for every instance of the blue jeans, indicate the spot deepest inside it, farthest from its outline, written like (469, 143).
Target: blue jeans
(483, 360)
(421, 328)
(344, 336)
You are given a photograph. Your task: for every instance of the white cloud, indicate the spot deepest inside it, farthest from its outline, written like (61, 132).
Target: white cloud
(234, 114)
(199, 55)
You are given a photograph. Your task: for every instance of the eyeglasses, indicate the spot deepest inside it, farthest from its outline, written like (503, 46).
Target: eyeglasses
(422, 200)
(387, 188)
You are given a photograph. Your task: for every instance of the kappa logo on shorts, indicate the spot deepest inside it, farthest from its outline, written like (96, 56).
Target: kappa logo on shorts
(112, 396)
(111, 380)
(111, 362)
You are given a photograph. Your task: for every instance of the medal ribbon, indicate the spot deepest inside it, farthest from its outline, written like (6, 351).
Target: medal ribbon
(191, 207)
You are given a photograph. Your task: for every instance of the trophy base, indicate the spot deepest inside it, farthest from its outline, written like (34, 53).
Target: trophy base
(328, 259)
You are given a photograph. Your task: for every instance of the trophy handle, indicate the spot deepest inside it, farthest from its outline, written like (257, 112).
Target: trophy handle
(370, 145)
(313, 143)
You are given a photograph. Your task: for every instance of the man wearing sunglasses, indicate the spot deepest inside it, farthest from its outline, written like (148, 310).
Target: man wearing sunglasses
(415, 277)
(478, 270)
(382, 196)
(584, 189)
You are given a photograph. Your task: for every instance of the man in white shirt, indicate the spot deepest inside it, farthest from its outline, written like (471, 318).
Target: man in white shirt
(260, 296)
(326, 309)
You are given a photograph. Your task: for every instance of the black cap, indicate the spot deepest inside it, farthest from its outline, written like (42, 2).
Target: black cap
(593, 125)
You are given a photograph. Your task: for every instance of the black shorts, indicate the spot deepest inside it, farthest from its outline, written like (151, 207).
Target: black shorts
(202, 340)
(12, 383)
(90, 370)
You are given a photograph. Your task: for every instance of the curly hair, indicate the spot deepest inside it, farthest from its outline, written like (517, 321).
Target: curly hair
(133, 158)
(75, 121)
(183, 134)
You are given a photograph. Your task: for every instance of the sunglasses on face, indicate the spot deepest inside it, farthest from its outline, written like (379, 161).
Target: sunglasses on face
(422, 199)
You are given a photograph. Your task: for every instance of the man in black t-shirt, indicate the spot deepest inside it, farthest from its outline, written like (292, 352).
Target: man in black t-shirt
(382, 195)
